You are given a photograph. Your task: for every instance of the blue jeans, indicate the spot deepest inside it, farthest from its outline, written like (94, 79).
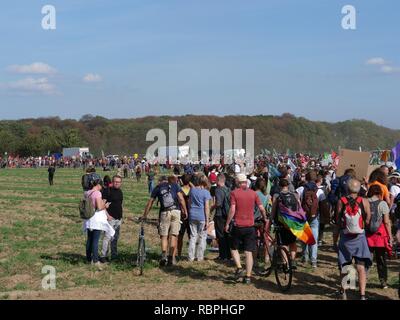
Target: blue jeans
(92, 245)
(151, 186)
(312, 250)
(197, 240)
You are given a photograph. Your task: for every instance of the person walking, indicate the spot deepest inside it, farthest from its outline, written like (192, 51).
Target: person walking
(114, 196)
(243, 201)
(51, 170)
(172, 203)
(199, 212)
(353, 214)
(221, 207)
(379, 236)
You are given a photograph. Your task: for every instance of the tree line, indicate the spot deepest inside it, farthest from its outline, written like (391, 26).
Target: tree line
(34, 137)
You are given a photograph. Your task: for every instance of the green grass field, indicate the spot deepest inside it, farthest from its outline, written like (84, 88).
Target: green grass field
(40, 225)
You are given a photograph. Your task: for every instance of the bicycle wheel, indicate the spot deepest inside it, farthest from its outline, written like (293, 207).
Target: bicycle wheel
(141, 255)
(283, 271)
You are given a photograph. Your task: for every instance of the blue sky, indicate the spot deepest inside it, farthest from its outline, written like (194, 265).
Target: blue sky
(128, 58)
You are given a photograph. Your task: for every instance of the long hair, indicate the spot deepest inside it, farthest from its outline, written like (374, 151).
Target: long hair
(378, 175)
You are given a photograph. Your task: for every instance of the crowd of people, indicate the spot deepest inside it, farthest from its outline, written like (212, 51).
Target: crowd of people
(242, 206)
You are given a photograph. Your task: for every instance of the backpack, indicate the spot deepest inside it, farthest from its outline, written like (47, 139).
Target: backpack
(226, 206)
(310, 201)
(87, 180)
(376, 217)
(352, 219)
(343, 189)
(167, 200)
(289, 200)
(86, 209)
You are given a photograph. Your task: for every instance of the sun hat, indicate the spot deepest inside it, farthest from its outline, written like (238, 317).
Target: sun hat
(241, 177)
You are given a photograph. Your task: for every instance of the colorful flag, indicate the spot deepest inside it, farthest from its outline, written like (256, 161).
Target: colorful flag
(296, 222)
(273, 171)
(396, 155)
(291, 165)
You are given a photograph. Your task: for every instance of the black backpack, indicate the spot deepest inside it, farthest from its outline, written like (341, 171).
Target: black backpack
(289, 200)
(226, 206)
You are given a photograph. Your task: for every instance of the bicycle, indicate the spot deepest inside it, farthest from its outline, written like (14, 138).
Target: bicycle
(141, 251)
(279, 261)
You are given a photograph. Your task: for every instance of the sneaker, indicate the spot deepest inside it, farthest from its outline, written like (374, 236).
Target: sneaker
(293, 265)
(246, 280)
(238, 274)
(320, 243)
(384, 285)
(363, 298)
(314, 265)
(265, 271)
(98, 265)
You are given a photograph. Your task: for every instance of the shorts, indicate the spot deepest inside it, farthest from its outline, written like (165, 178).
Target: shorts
(246, 236)
(286, 237)
(170, 223)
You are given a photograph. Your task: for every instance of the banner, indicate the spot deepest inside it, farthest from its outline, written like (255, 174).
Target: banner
(396, 155)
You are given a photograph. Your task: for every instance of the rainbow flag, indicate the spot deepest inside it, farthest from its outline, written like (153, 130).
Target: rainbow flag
(296, 222)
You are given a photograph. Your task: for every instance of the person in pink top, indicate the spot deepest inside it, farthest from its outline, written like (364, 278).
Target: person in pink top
(243, 202)
(379, 236)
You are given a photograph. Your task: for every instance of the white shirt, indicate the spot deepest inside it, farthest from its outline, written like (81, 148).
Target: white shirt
(99, 222)
(395, 190)
(320, 194)
(237, 169)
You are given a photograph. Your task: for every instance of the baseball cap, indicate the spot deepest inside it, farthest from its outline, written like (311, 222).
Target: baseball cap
(242, 177)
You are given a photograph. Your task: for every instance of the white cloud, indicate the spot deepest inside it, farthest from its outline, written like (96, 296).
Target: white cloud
(32, 85)
(390, 69)
(385, 66)
(91, 77)
(376, 61)
(34, 68)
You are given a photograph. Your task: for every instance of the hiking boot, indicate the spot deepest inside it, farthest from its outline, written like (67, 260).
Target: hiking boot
(163, 261)
(238, 274)
(246, 280)
(104, 260)
(171, 261)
